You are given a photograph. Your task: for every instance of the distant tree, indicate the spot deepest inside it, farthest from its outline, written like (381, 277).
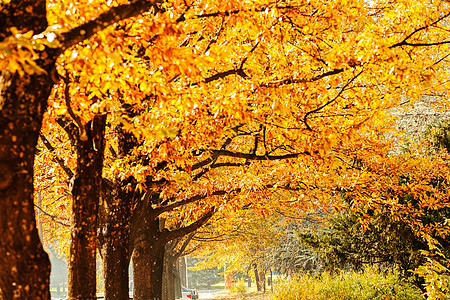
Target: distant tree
(290, 256)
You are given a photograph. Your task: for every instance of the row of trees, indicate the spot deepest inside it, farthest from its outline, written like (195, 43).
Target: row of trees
(172, 112)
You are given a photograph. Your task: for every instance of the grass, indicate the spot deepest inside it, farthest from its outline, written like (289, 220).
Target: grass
(369, 285)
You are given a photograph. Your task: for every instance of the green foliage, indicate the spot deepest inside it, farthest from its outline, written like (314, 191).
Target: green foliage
(346, 242)
(439, 136)
(368, 285)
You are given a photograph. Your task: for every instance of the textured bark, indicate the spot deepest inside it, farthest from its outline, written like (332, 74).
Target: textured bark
(177, 280)
(262, 278)
(115, 234)
(149, 252)
(116, 256)
(148, 262)
(170, 276)
(86, 197)
(115, 246)
(24, 266)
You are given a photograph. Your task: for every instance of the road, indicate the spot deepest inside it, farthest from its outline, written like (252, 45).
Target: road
(209, 295)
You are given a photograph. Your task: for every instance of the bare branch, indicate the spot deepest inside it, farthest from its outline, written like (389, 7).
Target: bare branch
(239, 71)
(192, 199)
(405, 42)
(183, 246)
(56, 158)
(82, 131)
(216, 166)
(214, 158)
(53, 217)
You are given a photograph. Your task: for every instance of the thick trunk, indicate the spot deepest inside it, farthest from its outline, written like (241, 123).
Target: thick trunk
(115, 235)
(170, 277)
(183, 272)
(115, 246)
(24, 266)
(262, 278)
(148, 262)
(86, 197)
(116, 260)
(177, 279)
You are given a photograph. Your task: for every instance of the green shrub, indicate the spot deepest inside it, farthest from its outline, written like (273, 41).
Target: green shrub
(368, 285)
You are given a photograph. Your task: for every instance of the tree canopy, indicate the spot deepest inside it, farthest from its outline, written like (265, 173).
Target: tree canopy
(221, 104)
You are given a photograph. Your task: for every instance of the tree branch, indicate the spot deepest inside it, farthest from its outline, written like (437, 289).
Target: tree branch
(183, 246)
(250, 156)
(82, 131)
(239, 71)
(56, 158)
(54, 218)
(214, 158)
(70, 128)
(173, 205)
(405, 43)
(329, 102)
(236, 11)
(215, 166)
(167, 235)
(278, 83)
(115, 14)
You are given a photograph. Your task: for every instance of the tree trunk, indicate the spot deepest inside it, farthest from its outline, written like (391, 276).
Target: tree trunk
(177, 279)
(183, 273)
(258, 279)
(262, 278)
(86, 197)
(169, 275)
(24, 266)
(115, 245)
(148, 262)
(116, 260)
(115, 235)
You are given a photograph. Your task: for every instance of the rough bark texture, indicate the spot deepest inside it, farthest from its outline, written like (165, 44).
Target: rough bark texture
(115, 234)
(115, 240)
(86, 197)
(24, 266)
(171, 275)
(177, 279)
(149, 251)
(148, 262)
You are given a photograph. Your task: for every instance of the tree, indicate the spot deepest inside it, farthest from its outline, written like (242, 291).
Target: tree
(25, 90)
(330, 71)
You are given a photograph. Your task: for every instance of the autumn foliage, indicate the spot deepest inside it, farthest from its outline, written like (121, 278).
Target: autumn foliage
(225, 104)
